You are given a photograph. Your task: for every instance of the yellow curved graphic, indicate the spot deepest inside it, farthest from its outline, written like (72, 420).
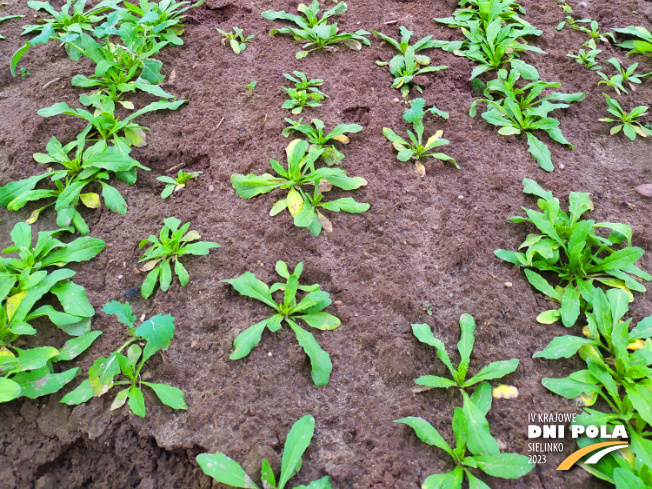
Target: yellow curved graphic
(575, 456)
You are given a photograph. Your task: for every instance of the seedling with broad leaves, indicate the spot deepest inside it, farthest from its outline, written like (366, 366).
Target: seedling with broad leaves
(521, 110)
(251, 87)
(152, 336)
(626, 121)
(642, 45)
(156, 22)
(416, 149)
(304, 206)
(173, 243)
(304, 94)
(314, 133)
(587, 58)
(236, 38)
(227, 471)
(484, 11)
(315, 31)
(104, 123)
(63, 25)
(623, 75)
(593, 31)
(494, 370)
(309, 309)
(174, 185)
(92, 166)
(119, 70)
(406, 65)
(618, 372)
(569, 247)
(471, 431)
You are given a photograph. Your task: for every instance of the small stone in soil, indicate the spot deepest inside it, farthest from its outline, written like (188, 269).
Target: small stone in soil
(645, 190)
(508, 284)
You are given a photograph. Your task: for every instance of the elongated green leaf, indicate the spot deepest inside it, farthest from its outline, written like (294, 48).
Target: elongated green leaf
(504, 465)
(434, 381)
(541, 284)
(320, 320)
(42, 382)
(102, 373)
(424, 335)
(225, 470)
(319, 359)
(480, 441)
(296, 444)
(247, 284)
(562, 347)
(81, 394)
(247, 340)
(9, 390)
(169, 395)
(494, 370)
(76, 346)
(158, 331)
(426, 433)
(136, 401)
(540, 152)
(449, 480)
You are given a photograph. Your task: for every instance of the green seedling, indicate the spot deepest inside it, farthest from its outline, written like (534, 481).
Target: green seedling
(520, 110)
(27, 277)
(642, 45)
(119, 70)
(173, 243)
(471, 431)
(627, 121)
(8, 17)
(155, 22)
(229, 472)
(484, 11)
(593, 30)
(617, 359)
(173, 185)
(251, 87)
(494, 370)
(105, 124)
(624, 75)
(62, 25)
(315, 31)
(86, 167)
(304, 94)
(569, 248)
(316, 138)
(24, 73)
(308, 309)
(492, 44)
(407, 64)
(567, 8)
(303, 207)
(587, 58)
(236, 39)
(152, 336)
(416, 149)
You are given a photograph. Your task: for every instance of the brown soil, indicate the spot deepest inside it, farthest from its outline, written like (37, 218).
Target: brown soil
(424, 241)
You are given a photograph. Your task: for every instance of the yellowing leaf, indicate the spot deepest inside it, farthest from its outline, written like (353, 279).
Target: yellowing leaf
(325, 186)
(637, 345)
(589, 400)
(420, 169)
(505, 392)
(90, 200)
(295, 202)
(149, 265)
(13, 302)
(4, 352)
(191, 236)
(325, 222)
(126, 104)
(434, 138)
(136, 136)
(290, 147)
(342, 139)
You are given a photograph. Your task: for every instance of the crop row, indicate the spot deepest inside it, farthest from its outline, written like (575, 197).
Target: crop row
(617, 358)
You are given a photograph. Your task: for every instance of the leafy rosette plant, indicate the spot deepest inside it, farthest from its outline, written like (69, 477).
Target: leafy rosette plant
(315, 31)
(173, 185)
(484, 11)
(626, 121)
(304, 207)
(641, 45)
(521, 111)
(494, 370)
(471, 431)
(309, 309)
(416, 149)
(569, 247)
(227, 471)
(153, 335)
(314, 133)
(173, 243)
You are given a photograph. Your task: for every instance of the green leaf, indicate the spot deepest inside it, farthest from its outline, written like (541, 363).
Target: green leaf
(528, 72)
(450, 480)
(113, 200)
(640, 395)
(169, 395)
(465, 345)
(81, 394)
(567, 387)
(540, 152)
(9, 390)
(247, 284)
(225, 470)
(504, 465)
(181, 272)
(136, 401)
(122, 311)
(323, 483)
(482, 397)
(426, 433)
(157, 331)
(73, 299)
(320, 320)
(76, 346)
(494, 370)
(81, 249)
(562, 347)
(247, 340)
(570, 306)
(434, 381)
(319, 359)
(42, 382)
(267, 475)
(541, 284)
(101, 374)
(480, 441)
(296, 444)
(424, 335)
(624, 479)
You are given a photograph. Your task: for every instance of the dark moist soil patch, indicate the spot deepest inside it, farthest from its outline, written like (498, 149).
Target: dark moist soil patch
(424, 241)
